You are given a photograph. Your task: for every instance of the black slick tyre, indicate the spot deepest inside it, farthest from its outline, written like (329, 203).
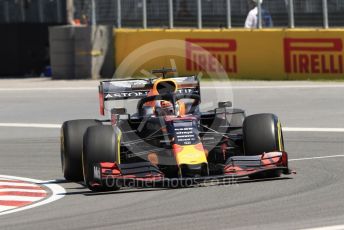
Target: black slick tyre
(71, 142)
(101, 144)
(262, 133)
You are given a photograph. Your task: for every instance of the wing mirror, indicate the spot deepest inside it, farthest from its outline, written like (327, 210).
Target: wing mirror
(225, 104)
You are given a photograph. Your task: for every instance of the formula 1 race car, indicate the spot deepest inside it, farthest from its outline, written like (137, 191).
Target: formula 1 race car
(167, 138)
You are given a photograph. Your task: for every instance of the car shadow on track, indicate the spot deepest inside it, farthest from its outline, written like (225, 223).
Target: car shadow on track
(56, 181)
(122, 191)
(125, 190)
(238, 181)
(248, 180)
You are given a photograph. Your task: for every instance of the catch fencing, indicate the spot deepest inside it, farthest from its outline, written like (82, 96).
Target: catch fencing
(209, 13)
(174, 13)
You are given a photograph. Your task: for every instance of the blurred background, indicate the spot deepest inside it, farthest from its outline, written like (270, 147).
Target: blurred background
(307, 13)
(24, 23)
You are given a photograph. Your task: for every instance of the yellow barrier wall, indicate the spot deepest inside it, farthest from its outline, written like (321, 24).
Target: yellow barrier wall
(255, 54)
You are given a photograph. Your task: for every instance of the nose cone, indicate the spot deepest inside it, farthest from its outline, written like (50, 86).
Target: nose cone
(189, 154)
(195, 170)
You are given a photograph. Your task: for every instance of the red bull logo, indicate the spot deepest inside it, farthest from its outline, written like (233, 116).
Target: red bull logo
(221, 55)
(313, 55)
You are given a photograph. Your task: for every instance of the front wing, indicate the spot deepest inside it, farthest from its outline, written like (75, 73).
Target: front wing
(145, 174)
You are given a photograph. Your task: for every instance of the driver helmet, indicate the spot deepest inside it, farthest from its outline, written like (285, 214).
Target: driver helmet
(167, 107)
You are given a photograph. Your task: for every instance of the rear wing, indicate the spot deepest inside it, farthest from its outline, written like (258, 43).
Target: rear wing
(112, 90)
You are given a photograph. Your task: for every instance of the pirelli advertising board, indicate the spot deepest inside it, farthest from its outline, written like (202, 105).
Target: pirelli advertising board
(255, 54)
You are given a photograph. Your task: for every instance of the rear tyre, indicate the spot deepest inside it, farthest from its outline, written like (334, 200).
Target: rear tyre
(101, 144)
(72, 133)
(262, 133)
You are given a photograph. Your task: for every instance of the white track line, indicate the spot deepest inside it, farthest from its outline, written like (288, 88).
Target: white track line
(30, 125)
(285, 129)
(335, 227)
(57, 126)
(275, 87)
(203, 87)
(314, 158)
(5, 208)
(49, 89)
(328, 130)
(57, 191)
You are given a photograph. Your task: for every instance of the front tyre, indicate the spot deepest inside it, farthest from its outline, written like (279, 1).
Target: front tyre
(101, 144)
(262, 133)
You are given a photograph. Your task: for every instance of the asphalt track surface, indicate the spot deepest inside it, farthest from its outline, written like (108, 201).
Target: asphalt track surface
(314, 197)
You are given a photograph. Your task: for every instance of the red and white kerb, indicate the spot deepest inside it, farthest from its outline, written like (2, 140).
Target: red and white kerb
(16, 193)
